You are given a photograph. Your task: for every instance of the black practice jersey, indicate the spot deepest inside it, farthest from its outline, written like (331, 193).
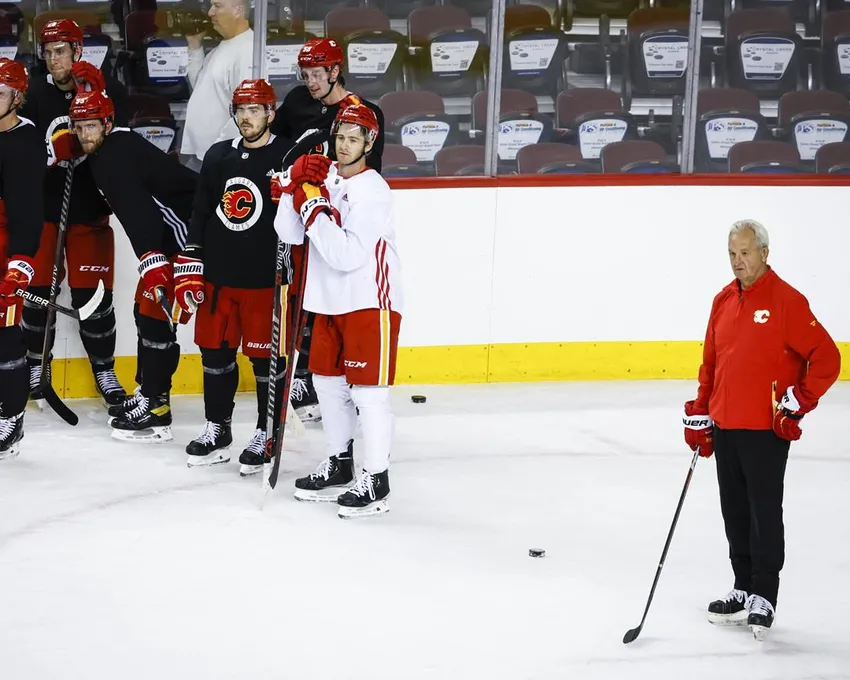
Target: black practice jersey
(233, 217)
(299, 112)
(22, 165)
(47, 106)
(149, 191)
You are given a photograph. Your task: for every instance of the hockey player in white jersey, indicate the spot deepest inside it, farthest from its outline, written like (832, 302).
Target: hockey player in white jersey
(353, 285)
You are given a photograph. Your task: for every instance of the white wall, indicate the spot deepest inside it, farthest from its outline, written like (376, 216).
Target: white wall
(543, 264)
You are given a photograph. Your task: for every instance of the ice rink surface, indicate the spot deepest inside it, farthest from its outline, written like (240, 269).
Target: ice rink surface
(119, 562)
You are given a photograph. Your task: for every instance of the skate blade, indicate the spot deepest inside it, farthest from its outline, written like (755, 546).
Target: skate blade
(214, 458)
(321, 496)
(13, 452)
(150, 435)
(40, 403)
(309, 414)
(760, 632)
(248, 470)
(371, 510)
(736, 620)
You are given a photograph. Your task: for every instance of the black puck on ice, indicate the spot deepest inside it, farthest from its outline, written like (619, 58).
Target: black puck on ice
(418, 399)
(536, 552)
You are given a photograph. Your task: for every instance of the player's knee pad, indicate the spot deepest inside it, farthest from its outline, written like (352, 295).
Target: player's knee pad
(218, 361)
(331, 388)
(35, 316)
(261, 367)
(11, 345)
(80, 296)
(155, 331)
(370, 397)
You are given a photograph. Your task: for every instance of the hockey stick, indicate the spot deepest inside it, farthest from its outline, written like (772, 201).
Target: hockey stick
(162, 300)
(44, 385)
(80, 314)
(631, 635)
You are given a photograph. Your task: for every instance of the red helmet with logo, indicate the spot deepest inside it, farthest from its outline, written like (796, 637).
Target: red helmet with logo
(253, 92)
(358, 114)
(14, 74)
(60, 30)
(321, 52)
(93, 105)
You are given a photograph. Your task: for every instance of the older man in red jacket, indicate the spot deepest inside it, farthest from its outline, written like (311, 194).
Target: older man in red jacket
(762, 344)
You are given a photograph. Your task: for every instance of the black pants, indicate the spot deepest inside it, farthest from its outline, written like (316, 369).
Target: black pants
(751, 477)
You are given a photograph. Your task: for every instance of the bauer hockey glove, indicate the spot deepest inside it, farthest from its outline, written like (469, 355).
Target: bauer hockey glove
(156, 272)
(310, 201)
(787, 415)
(88, 77)
(19, 273)
(189, 280)
(699, 429)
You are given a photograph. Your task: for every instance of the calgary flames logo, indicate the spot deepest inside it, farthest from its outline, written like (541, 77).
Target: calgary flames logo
(237, 204)
(241, 204)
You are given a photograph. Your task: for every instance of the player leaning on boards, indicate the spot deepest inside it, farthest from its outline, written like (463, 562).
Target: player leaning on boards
(762, 341)
(353, 285)
(151, 195)
(314, 106)
(22, 166)
(89, 243)
(227, 272)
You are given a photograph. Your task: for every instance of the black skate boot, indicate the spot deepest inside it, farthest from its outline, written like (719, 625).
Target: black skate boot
(130, 402)
(11, 433)
(331, 478)
(304, 399)
(251, 459)
(730, 611)
(109, 388)
(35, 383)
(367, 498)
(760, 617)
(149, 421)
(212, 446)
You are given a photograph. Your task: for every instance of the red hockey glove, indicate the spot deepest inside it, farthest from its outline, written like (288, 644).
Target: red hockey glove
(789, 412)
(19, 273)
(699, 429)
(189, 281)
(310, 201)
(281, 183)
(312, 169)
(63, 146)
(156, 272)
(88, 77)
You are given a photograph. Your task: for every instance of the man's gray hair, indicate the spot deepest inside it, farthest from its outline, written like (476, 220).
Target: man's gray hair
(762, 237)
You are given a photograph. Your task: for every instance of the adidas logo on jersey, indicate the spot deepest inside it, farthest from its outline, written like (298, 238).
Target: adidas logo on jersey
(270, 173)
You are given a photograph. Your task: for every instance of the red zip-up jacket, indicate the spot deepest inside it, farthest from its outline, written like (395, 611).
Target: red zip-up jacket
(760, 341)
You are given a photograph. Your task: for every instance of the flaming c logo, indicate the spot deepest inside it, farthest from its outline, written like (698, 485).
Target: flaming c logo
(241, 204)
(237, 204)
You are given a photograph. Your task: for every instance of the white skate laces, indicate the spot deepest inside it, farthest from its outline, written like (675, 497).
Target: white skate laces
(108, 381)
(210, 433)
(323, 471)
(299, 390)
(142, 403)
(363, 486)
(756, 604)
(7, 426)
(258, 442)
(736, 595)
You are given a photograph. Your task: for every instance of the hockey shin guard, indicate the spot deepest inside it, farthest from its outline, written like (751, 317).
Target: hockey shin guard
(378, 425)
(339, 415)
(261, 374)
(159, 355)
(34, 324)
(14, 376)
(98, 331)
(221, 380)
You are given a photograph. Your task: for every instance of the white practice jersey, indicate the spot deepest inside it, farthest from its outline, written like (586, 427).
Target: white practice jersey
(355, 266)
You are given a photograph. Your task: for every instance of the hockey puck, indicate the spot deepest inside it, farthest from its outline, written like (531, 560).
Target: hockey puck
(536, 552)
(418, 399)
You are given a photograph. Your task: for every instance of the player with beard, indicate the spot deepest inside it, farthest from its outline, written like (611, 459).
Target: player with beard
(151, 194)
(227, 272)
(89, 241)
(22, 166)
(315, 105)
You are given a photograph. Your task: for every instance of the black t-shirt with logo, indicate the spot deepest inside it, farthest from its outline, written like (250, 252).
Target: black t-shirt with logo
(233, 214)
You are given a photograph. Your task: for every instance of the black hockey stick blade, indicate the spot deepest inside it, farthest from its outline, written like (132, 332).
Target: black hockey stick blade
(632, 634)
(55, 402)
(162, 300)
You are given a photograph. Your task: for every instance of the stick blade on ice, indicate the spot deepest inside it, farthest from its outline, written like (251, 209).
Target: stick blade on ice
(631, 635)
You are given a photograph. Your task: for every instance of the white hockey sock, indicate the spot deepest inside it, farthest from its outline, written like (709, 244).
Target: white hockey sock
(339, 416)
(378, 423)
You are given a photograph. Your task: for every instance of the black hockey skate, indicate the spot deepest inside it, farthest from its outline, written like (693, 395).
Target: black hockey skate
(109, 388)
(252, 458)
(130, 402)
(367, 498)
(760, 617)
(212, 446)
(149, 421)
(304, 399)
(331, 478)
(11, 433)
(730, 611)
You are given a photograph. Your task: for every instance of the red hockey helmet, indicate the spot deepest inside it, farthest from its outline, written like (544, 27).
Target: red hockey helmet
(93, 105)
(253, 92)
(60, 30)
(321, 52)
(14, 74)
(358, 114)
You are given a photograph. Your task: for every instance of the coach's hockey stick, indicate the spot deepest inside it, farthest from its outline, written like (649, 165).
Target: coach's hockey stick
(80, 314)
(45, 386)
(631, 635)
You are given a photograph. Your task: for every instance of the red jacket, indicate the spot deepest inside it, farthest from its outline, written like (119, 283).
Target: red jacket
(760, 341)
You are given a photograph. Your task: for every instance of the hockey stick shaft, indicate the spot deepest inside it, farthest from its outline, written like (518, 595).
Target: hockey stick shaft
(162, 301)
(45, 386)
(632, 634)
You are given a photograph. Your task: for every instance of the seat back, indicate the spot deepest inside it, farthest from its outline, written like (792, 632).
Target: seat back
(725, 117)
(618, 155)
(836, 154)
(452, 159)
(763, 153)
(657, 51)
(530, 159)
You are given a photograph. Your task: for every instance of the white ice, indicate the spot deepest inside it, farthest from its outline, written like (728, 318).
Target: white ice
(116, 561)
